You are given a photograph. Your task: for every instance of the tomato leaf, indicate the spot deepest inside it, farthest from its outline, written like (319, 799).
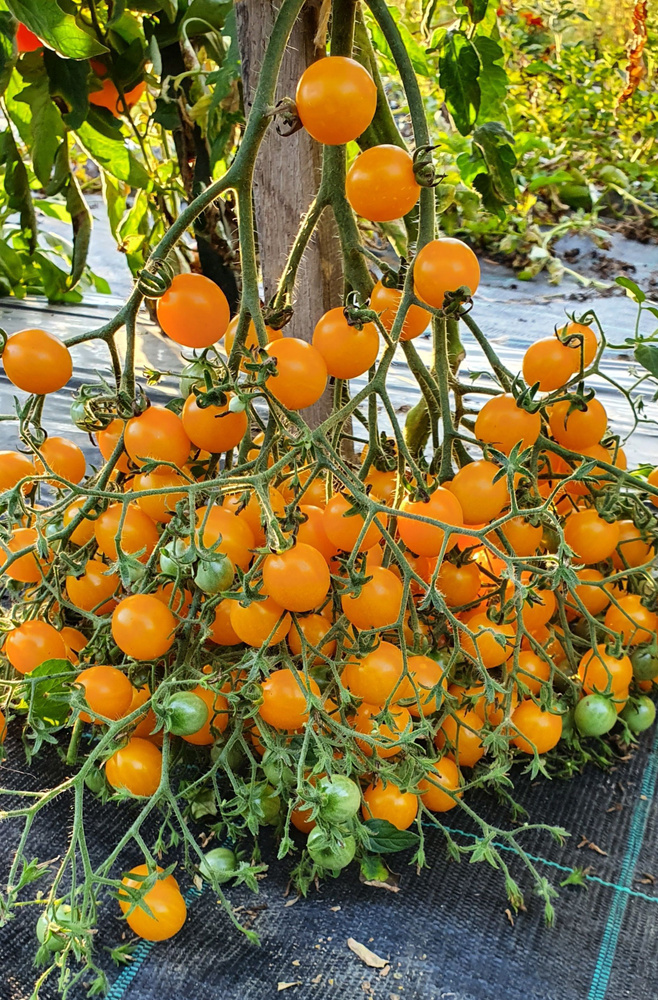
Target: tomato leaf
(17, 186)
(476, 9)
(67, 80)
(104, 141)
(373, 868)
(459, 69)
(49, 698)
(58, 30)
(46, 126)
(82, 223)
(647, 356)
(384, 838)
(632, 290)
(7, 30)
(493, 79)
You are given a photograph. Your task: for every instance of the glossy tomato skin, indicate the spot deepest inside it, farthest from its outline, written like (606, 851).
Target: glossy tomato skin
(13, 467)
(524, 537)
(108, 439)
(285, 695)
(336, 100)
(460, 735)
(301, 373)
(591, 592)
(503, 424)
(297, 579)
(632, 549)
(137, 533)
(64, 458)
(37, 362)
(259, 622)
(94, 589)
(135, 768)
(27, 568)
(347, 351)
(143, 627)
(313, 628)
(387, 801)
(157, 434)
(385, 301)
(480, 497)
(442, 778)
(590, 537)
(235, 537)
(427, 539)
(213, 428)
(379, 603)
(386, 736)
(533, 671)
(577, 428)
(312, 531)
(217, 720)
(164, 901)
(381, 184)
(108, 692)
(159, 507)
(537, 729)
(459, 584)
(109, 97)
(585, 342)
(602, 673)
(251, 340)
(443, 266)
(343, 528)
(84, 532)
(632, 620)
(31, 644)
(222, 632)
(428, 682)
(377, 677)
(193, 311)
(549, 364)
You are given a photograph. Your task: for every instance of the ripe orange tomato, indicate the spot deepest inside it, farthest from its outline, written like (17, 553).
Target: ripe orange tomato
(652, 479)
(85, 530)
(312, 532)
(166, 911)
(533, 671)
(596, 451)
(37, 362)
(595, 598)
(426, 539)
(502, 423)
(387, 801)
(536, 613)
(217, 720)
(222, 632)
(577, 428)
(442, 778)
(382, 484)
(377, 676)
(386, 735)
(157, 434)
(94, 589)
(160, 506)
(230, 533)
(524, 537)
(428, 680)
(251, 340)
(193, 311)
(64, 458)
(385, 301)
(336, 100)
(285, 698)
(632, 620)
(108, 439)
(147, 722)
(74, 639)
(537, 729)
(213, 428)
(313, 629)
(492, 652)
(253, 513)
(109, 97)
(26, 40)
(480, 497)
(347, 351)
(590, 343)
(602, 673)
(549, 364)
(27, 568)
(381, 184)
(443, 266)
(631, 549)
(143, 627)
(135, 767)
(301, 373)
(459, 584)
(13, 468)
(31, 644)
(300, 819)
(138, 531)
(297, 579)
(461, 734)
(590, 537)
(343, 526)
(379, 603)
(260, 622)
(108, 692)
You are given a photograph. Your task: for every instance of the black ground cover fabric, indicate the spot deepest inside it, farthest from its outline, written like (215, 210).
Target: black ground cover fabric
(446, 933)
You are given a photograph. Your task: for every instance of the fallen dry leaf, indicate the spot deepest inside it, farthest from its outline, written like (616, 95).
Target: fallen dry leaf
(592, 847)
(367, 957)
(286, 986)
(508, 914)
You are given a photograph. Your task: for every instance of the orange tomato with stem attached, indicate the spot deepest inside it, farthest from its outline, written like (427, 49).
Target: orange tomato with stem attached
(426, 539)
(493, 644)
(143, 627)
(578, 424)
(37, 362)
(549, 364)
(336, 100)
(632, 620)
(386, 736)
(387, 801)
(381, 183)
(285, 696)
(27, 568)
(386, 302)
(343, 525)
(259, 622)
(94, 590)
(138, 532)
(632, 550)
(214, 429)
(591, 537)
(157, 434)
(13, 467)
(443, 266)
(159, 507)
(379, 603)
(377, 677)
(428, 680)
(301, 373)
(135, 768)
(602, 673)
(29, 645)
(297, 579)
(460, 736)
(311, 631)
(482, 491)
(347, 351)
(228, 532)
(193, 311)
(164, 911)
(108, 692)
(442, 780)
(537, 729)
(459, 583)
(502, 423)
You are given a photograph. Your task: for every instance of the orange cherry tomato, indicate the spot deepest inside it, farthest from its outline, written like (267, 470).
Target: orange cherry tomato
(157, 434)
(427, 539)
(251, 340)
(146, 723)
(537, 729)
(13, 468)
(75, 640)
(379, 603)
(27, 568)
(347, 351)
(386, 736)
(381, 184)
(586, 345)
(31, 644)
(577, 428)
(336, 100)
(602, 673)
(253, 513)
(95, 589)
(385, 301)
(480, 497)
(632, 620)
(383, 484)
(301, 373)
(193, 311)
(108, 692)
(631, 549)
(260, 622)
(213, 428)
(378, 676)
(222, 632)
(313, 629)
(533, 671)
(591, 538)
(297, 579)
(84, 532)
(312, 531)
(460, 734)
(486, 646)
(285, 699)
(595, 598)
(443, 266)
(429, 681)
(549, 364)
(166, 911)
(442, 779)
(524, 537)
(108, 96)
(299, 819)
(137, 532)
(343, 526)
(217, 720)
(387, 801)
(503, 424)
(108, 439)
(64, 458)
(459, 584)
(143, 627)
(230, 533)
(160, 506)
(135, 768)
(37, 362)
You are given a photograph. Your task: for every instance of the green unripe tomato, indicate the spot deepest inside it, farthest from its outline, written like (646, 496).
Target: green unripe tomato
(639, 714)
(232, 758)
(645, 662)
(214, 575)
(267, 804)
(330, 855)
(341, 799)
(185, 713)
(191, 376)
(220, 864)
(595, 715)
(176, 555)
(49, 930)
(95, 780)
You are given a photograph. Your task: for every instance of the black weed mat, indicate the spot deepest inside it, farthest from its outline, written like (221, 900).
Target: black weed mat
(446, 934)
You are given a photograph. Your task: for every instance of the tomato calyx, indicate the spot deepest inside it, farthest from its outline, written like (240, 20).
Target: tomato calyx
(423, 166)
(288, 120)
